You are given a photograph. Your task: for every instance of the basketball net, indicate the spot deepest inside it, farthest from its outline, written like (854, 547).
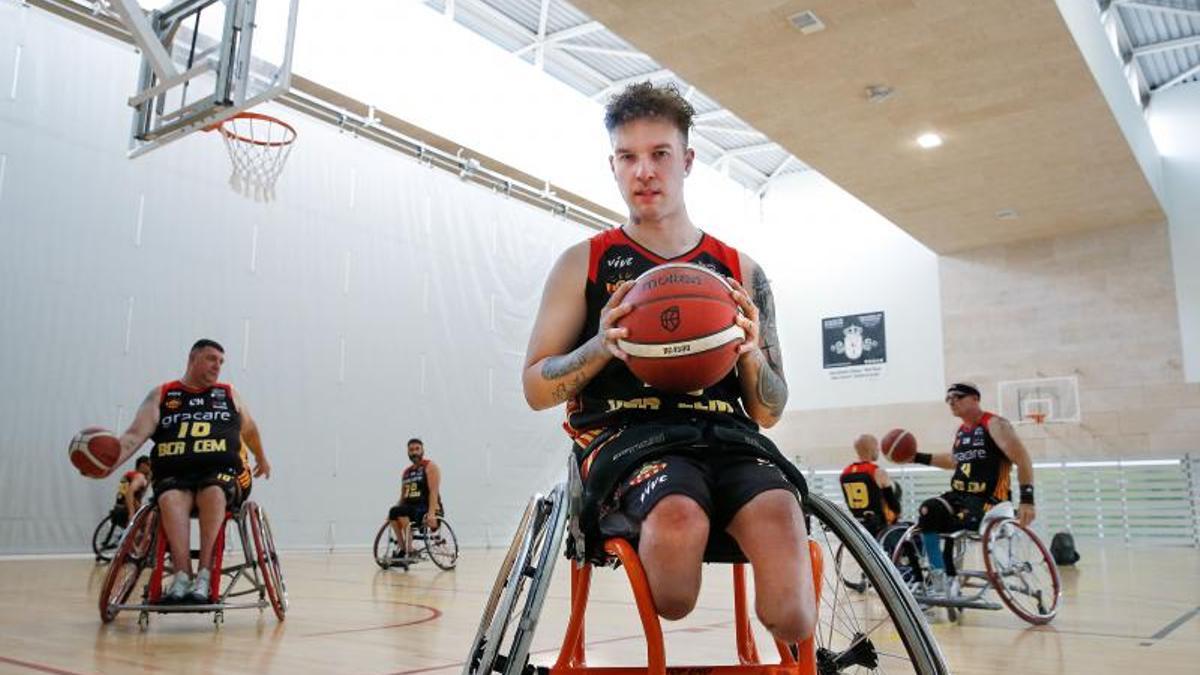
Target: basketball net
(258, 147)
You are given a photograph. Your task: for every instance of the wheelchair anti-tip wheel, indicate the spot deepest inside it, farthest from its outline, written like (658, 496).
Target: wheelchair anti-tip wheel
(520, 589)
(1021, 570)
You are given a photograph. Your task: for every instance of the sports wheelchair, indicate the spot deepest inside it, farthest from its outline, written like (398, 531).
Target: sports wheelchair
(439, 545)
(144, 545)
(1016, 564)
(885, 632)
(106, 537)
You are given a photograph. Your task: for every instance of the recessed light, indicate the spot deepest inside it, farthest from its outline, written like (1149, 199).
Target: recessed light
(807, 22)
(1007, 214)
(879, 92)
(929, 140)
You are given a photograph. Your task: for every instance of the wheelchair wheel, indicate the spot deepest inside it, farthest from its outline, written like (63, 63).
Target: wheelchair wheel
(1021, 570)
(387, 549)
(524, 575)
(105, 539)
(267, 559)
(885, 632)
(859, 583)
(133, 555)
(442, 545)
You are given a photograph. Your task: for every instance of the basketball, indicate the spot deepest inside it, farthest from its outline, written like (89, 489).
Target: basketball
(94, 451)
(899, 445)
(682, 333)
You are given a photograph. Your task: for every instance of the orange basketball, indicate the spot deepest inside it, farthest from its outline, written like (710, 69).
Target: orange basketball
(899, 445)
(94, 451)
(682, 334)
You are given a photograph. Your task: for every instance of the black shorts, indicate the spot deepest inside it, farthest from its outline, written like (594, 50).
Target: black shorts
(965, 512)
(120, 516)
(226, 479)
(721, 485)
(414, 512)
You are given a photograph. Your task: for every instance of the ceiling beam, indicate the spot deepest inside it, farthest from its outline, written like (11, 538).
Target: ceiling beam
(731, 130)
(749, 150)
(607, 51)
(561, 36)
(1156, 47)
(539, 57)
(616, 85)
(1194, 70)
(1140, 4)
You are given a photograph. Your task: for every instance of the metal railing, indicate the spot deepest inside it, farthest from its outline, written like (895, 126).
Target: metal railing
(1135, 501)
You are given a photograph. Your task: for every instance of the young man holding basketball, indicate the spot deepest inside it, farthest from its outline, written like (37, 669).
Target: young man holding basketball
(676, 498)
(197, 425)
(985, 448)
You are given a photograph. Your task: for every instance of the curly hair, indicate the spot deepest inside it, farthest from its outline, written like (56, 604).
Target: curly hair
(645, 100)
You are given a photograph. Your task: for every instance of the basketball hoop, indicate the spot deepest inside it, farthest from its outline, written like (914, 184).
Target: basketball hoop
(258, 148)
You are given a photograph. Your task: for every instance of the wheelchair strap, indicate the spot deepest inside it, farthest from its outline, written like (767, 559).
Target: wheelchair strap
(613, 456)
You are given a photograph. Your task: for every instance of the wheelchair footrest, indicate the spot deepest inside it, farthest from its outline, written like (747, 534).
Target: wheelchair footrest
(191, 609)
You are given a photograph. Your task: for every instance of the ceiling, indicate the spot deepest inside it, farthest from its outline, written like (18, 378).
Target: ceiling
(567, 44)
(1031, 148)
(1158, 39)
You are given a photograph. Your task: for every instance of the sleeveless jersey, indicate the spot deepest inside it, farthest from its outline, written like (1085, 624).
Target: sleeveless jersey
(198, 431)
(414, 486)
(983, 468)
(123, 489)
(615, 395)
(863, 495)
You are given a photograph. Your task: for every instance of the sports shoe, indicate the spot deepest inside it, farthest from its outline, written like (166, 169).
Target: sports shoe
(198, 594)
(177, 593)
(936, 584)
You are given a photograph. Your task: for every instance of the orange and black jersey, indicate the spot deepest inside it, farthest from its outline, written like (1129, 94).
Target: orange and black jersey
(982, 467)
(615, 395)
(863, 495)
(414, 486)
(198, 431)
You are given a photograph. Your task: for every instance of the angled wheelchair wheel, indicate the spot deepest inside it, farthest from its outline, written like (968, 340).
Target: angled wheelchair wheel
(267, 559)
(442, 545)
(134, 554)
(511, 614)
(105, 539)
(1021, 570)
(386, 548)
(884, 631)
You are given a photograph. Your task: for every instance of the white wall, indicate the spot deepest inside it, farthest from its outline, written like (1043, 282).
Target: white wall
(828, 254)
(375, 300)
(1174, 117)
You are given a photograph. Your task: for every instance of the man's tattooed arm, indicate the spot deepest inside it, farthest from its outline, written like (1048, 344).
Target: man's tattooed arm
(771, 389)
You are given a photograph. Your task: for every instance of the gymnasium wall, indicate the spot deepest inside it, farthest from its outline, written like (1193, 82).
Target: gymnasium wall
(1099, 305)
(375, 300)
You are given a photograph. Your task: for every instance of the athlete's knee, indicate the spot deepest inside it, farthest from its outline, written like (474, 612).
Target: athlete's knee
(673, 601)
(790, 621)
(676, 518)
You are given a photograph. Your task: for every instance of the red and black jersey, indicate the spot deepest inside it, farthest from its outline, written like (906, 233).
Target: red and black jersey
(198, 431)
(983, 468)
(123, 488)
(615, 395)
(863, 495)
(414, 486)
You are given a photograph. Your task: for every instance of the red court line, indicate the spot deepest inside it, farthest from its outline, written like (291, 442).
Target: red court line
(434, 613)
(690, 629)
(37, 666)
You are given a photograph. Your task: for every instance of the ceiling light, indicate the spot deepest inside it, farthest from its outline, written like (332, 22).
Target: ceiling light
(879, 92)
(929, 140)
(1007, 214)
(807, 22)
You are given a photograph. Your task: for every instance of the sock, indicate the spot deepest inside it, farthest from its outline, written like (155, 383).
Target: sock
(933, 549)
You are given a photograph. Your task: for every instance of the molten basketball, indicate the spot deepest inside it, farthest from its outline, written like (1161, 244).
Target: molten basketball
(899, 445)
(94, 451)
(682, 334)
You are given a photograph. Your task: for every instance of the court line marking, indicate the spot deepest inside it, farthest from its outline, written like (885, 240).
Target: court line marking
(1170, 628)
(36, 666)
(434, 613)
(554, 650)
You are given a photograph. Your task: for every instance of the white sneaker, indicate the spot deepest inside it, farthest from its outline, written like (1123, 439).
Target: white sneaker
(198, 594)
(180, 585)
(936, 585)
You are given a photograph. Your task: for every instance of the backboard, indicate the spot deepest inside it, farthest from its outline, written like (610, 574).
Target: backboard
(1050, 399)
(204, 61)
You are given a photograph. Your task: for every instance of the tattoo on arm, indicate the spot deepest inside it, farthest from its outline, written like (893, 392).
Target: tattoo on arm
(772, 390)
(765, 301)
(569, 368)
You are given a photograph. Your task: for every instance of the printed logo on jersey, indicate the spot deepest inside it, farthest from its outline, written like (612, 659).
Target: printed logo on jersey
(218, 393)
(669, 319)
(647, 472)
(173, 404)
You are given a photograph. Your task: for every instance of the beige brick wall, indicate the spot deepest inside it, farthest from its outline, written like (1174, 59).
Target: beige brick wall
(1098, 305)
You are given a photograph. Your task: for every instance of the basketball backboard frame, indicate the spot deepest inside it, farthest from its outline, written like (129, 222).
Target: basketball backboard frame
(198, 70)
(1040, 401)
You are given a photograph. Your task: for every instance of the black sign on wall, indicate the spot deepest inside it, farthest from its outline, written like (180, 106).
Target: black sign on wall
(854, 340)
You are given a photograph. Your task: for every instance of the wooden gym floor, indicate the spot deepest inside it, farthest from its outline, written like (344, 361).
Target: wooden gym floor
(1125, 610)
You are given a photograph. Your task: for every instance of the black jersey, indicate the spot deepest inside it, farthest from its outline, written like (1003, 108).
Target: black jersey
(615, 395)
(123, 489)
(198, 431)
(864, 497)
(414, 486)
(982, 467)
